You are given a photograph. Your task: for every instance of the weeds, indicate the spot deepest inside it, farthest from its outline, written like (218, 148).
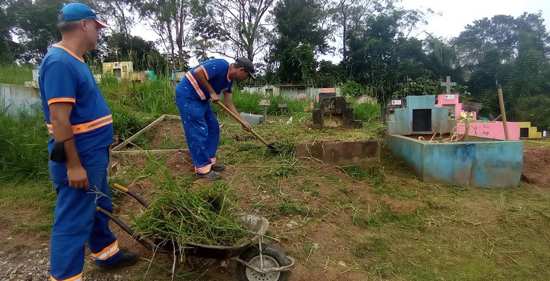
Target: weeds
(289, 207)
(23, 146)
(181, 215)
(14, 74)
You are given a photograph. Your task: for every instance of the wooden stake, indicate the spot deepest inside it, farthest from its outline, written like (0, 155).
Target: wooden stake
(152, 151)
(503, 112)
(128, 140)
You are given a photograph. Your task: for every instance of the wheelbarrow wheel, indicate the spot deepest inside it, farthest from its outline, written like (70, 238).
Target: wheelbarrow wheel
(272, 257)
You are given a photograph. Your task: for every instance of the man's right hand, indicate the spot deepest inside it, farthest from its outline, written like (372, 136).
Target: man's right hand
(77, 177)
(215, 97)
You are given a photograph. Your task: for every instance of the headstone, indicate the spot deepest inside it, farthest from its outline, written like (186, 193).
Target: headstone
(265, 103)
(283, 108)
(448, 85)
(253, 119)
(396, 102)
(335, 108)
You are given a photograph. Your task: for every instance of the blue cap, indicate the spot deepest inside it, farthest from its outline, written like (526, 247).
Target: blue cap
(76, 12)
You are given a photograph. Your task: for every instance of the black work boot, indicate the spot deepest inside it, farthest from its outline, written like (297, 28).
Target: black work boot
(212, 175)
(218, 167)
(122, 259)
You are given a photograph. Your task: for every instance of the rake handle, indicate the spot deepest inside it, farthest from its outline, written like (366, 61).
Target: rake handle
(238, 119)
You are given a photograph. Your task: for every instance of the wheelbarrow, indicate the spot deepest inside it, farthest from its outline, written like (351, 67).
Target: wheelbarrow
(255, 260)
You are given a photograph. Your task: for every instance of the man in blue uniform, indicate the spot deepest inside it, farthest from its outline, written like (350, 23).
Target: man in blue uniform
(202, 84)
(80, 125)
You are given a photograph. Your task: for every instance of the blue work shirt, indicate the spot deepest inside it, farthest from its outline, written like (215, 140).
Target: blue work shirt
(216, 72)
(64, 77)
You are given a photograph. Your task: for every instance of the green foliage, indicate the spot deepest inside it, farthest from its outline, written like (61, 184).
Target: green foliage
(329, 74)
(142, 53)
(535, 109)
(248, 102)
(352, 89)
(417, 87)
(180, 215)
(300, 36)
(510, 51)
(367, 112)
(13, 74)
(134, 105)
(35, 26)
(8, 48)
(23, 153)
(289, 207)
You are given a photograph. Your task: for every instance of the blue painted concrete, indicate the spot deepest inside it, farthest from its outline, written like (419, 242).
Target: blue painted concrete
(400, 122)
(481, 164)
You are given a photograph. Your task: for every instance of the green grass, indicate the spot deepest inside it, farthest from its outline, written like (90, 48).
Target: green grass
(543, 143)
(13, 74)
(367, 112)
(247, 102)
(181, 215)
(391, 225)
(30, 205)
(23, 147)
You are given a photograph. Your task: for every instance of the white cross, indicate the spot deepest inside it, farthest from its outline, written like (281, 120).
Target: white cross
(448, 84)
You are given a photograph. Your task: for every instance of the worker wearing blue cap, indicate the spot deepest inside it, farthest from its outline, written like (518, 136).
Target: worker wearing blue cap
(202, 84)
(80, 125)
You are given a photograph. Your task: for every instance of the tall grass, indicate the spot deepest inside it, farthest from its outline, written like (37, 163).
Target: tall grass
(154, 97)
(23, 146)
(248, 102)
(367, 112)
(14, 74)
(134, 105)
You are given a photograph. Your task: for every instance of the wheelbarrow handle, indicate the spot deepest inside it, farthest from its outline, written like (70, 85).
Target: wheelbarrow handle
(238, 119)
(146, 243)
(125, 190)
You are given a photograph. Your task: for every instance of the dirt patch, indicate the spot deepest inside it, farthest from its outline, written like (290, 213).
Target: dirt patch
(536, 166)
(167, 134)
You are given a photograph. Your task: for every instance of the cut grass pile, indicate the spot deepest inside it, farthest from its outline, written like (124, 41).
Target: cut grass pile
(181, 215)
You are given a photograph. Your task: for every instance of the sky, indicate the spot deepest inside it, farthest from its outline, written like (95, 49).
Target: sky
(449, 17)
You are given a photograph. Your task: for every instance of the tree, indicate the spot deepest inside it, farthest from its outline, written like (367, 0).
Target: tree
(535, 109)
(498, 33)
(329, 74)
(172, 21)
(512, 52)
(348, 13)
(242, 23)
(442, 59)
(7, 45)
(142, 53)
(299, 36)
(121, 12)
(35, 26)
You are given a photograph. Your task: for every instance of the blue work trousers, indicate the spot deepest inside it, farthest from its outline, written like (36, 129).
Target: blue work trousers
(76, 220)
(202, 130)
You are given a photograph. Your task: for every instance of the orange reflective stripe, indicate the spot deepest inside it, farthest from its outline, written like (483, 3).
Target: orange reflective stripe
(77, 277)
(56, 100)
(68, 51)
(107, 252)
(205, 72)
(88, 126)
(193, 81)
(203, 169)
